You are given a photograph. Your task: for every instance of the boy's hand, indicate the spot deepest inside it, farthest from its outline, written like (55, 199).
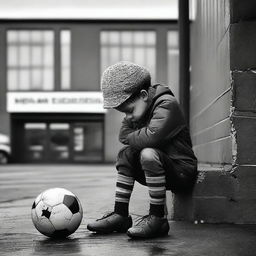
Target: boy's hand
(126, 128)
(165, 122)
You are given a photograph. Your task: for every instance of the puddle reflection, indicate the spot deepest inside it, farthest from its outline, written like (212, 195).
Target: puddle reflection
(149, 247)
(156, 250)
(50, 246)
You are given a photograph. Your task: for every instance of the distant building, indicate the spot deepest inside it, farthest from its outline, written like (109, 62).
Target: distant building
(50, 70)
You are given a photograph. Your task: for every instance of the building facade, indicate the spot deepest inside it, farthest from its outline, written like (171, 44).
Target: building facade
(50, 71)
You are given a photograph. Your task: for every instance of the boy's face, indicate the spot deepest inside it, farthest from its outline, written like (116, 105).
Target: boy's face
(135, 110)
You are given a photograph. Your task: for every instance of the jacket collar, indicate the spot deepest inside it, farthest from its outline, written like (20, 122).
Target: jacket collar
(160, 90)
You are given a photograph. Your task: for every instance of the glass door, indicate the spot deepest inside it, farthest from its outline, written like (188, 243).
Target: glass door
(35, 142)
(88, 141)
(59, 142)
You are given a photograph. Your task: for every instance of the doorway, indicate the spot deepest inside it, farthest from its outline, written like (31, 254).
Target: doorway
(58, 141)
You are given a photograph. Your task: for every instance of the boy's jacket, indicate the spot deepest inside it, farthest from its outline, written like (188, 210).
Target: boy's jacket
(163, 127)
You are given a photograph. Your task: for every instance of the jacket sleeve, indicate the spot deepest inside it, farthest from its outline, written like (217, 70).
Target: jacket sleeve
(125, 129)
(167, 120)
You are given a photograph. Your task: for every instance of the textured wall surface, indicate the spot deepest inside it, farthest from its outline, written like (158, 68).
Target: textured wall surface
(210, 82)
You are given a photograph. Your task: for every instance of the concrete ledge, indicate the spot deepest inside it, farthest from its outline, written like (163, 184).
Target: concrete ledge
(220, 195)
(215, 190)
(214, 209)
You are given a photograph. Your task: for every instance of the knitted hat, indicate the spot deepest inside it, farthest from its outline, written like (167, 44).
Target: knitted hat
(120, 81)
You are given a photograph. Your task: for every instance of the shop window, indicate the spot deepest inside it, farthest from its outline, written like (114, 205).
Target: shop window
(173, 62)
(65, 40)
(135, 46)
(30, 60)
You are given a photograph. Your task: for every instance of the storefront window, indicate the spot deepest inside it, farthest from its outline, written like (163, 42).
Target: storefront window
(30, 60)
(135, 46)
(173, 62)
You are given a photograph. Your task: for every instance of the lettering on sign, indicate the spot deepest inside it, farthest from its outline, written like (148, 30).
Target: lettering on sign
(87, 102)
(31, 101)
(58, 101)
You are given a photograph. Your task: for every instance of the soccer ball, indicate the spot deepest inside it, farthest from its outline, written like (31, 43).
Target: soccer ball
(56, 212)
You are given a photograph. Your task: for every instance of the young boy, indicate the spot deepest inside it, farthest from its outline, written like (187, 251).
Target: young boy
(158, 151)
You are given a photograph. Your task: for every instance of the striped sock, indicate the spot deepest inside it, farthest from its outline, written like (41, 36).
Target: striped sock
(124, 187)
(157, 193)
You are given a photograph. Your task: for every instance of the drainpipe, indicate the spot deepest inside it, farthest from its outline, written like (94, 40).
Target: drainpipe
(184, 60)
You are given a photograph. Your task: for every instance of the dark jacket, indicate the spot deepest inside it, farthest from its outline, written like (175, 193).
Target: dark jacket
(163, 127)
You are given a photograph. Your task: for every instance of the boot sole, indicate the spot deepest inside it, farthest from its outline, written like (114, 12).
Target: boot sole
(104, 231)
(133, 236)
(107, 231)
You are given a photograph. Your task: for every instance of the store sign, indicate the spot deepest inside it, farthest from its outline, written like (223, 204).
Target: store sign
(55, 102)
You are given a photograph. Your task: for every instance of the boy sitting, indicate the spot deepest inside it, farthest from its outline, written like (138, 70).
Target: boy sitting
(158, 151)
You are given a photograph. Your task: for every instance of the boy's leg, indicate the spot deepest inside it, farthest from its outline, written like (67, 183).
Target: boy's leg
(119, 220)
(126, 165)
(161, 173)
(155, 224)
(155, 179)
(124, 187)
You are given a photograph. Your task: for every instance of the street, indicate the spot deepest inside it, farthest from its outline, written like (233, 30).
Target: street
(94, 185)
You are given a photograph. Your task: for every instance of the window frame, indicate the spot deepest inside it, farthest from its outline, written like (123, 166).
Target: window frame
(133, 45)
(56, 65)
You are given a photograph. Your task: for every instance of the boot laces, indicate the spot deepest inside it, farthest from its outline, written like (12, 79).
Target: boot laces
(142, 220)
(107, 214)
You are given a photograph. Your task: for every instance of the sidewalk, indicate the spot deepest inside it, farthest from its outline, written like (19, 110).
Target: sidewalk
(94, 185)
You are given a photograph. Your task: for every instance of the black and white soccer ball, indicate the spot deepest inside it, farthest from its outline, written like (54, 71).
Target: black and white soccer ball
(56, 212)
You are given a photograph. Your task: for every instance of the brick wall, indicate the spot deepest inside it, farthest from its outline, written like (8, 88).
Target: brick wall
(243, 115)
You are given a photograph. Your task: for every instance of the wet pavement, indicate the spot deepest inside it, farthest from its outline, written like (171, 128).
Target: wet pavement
(94, 185)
